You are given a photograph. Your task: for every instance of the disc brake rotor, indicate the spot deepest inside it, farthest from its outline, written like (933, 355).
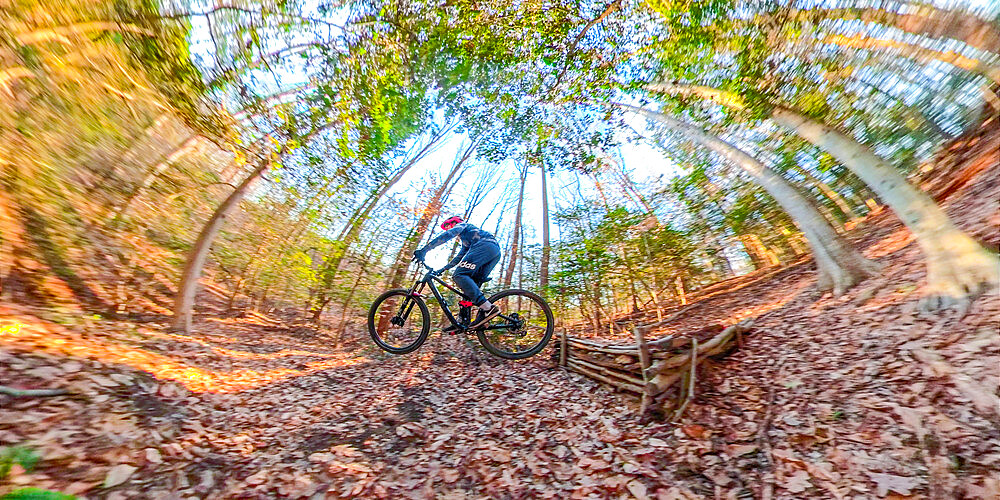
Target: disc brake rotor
(518, 330)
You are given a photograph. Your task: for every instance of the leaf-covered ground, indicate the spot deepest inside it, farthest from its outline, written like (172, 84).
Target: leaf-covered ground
(851, 397)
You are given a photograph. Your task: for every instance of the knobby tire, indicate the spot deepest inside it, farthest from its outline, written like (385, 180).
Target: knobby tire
(425, 321)
(543, 306)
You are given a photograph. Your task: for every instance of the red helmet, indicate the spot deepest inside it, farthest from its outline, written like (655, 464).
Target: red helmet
(451, 220)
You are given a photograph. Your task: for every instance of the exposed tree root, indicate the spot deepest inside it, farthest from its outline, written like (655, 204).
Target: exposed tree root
(955, 285)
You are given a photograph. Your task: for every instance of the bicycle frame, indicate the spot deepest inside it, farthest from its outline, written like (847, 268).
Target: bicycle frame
(428, 281)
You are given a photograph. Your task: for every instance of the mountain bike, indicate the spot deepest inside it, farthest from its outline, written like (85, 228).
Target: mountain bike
(399, 320)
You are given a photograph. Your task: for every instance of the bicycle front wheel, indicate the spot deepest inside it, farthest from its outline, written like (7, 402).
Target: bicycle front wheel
(523, 327)
(398, 322)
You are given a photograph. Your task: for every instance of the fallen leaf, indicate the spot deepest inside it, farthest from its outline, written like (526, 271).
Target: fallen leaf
(257, 478)
(78, 488)
(637, 489)
(658, 442)
(695, 431)
(72, 367)
(45, 372)
(791, 420)
(345, 450)
(153, 456)
(349, 466)
(450, 475)
(737, 450)
(320, 458)
(500, 455)
(887, 482)
(118, 475)
(103, 381)
(798, 482)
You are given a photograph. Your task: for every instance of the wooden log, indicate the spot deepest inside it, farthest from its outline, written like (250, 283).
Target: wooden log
(593, 343)
(597, 376)
(690, 379)
(681, 391)
(602, 345)
(644, 362)
(669, 342)
(609, 350)
(668, 364)
(662, 381)
(606, 363)
(563, 349)
(714, 346)
(609, 372)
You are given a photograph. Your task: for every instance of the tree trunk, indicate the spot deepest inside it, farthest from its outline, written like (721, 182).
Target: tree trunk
(759, 254)
(957, 266)
(597, 306)
(839, 265)
(509, 275)
(546, 244)
(681, 293)
(188, 286)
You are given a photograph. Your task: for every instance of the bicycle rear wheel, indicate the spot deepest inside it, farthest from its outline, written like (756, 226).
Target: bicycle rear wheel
(523, 327)
(399, 323)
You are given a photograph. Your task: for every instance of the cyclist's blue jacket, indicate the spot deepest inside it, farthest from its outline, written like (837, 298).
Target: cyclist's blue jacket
(467, 234)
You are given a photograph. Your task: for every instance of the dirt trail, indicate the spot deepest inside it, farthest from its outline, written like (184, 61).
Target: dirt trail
(849, 397)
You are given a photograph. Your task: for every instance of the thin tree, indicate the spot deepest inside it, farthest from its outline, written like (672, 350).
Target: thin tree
(188, 285)
(543, 269)
(515, 237)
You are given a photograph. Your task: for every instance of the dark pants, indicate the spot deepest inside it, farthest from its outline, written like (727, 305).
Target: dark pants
(475, 267)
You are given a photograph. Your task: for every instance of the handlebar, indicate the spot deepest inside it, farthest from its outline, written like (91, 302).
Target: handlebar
(422, 262)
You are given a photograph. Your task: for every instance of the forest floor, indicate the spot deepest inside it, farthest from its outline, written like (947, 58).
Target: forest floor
(856, 396)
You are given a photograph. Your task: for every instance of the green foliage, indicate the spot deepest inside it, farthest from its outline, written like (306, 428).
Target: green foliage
(163, 53)
(24, 456)
(36, 494)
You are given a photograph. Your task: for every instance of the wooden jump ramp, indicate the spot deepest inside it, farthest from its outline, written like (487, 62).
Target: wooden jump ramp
(651, 369)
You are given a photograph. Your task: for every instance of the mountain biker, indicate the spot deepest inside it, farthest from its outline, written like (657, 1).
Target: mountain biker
(478, 256)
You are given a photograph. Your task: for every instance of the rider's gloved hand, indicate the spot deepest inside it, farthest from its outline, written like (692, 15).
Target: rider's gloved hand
(437, 272)
(420, 254)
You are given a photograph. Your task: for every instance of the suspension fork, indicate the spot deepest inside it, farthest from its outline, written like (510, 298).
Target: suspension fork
(411, 298)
